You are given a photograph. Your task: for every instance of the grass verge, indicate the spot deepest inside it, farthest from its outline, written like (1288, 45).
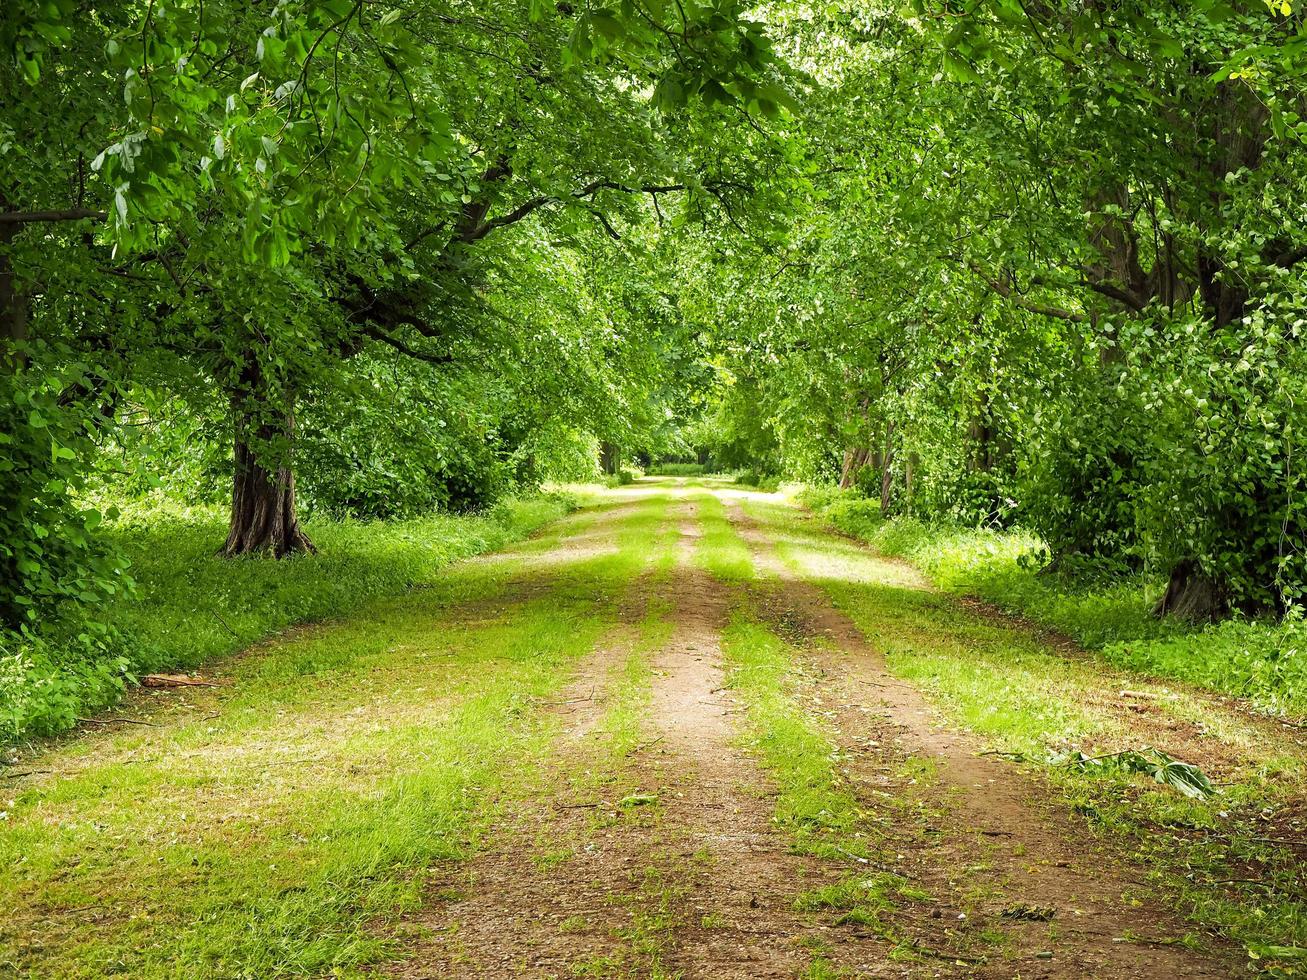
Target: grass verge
(191, 606)
(278, 833)
(1231, 862)
(1263, 661)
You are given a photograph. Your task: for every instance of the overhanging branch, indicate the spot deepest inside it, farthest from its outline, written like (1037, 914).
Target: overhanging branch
(35, 217)
(1016, 299)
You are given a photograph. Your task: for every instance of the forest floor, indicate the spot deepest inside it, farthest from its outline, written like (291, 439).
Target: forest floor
(685, 731)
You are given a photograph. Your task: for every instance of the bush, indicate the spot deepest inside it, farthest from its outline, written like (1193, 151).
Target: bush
(624, 477)
(52, 564)
(755, 478)
(678, 469)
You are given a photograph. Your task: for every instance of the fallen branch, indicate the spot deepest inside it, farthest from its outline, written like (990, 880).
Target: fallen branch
(175, 680)
(644, 745)
(115, 721)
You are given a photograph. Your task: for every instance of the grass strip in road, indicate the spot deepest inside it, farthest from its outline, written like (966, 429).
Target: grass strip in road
(814, 807)
(278, 837)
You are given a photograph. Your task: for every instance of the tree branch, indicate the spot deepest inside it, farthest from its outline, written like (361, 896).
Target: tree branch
(32, 217)
(1122, 296)
(1006, 291)
(377, 334)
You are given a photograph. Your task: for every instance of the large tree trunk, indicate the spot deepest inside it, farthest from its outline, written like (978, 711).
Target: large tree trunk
(1191, 594)
(263, 519)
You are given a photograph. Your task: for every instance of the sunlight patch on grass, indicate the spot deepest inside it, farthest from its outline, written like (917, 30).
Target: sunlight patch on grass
(720, 551)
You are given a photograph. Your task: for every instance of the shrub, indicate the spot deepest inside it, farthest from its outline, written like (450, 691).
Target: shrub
(678, 469)
(755, 478)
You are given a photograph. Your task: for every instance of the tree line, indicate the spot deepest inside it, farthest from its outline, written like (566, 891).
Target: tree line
(401, 251)
(986, 260)
(1046, 267)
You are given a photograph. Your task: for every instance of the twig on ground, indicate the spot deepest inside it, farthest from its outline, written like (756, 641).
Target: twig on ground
(116, 721)
(644, 745)
(175, 680)
(226, 625)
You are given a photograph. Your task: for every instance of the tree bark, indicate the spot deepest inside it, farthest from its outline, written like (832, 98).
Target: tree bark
(263, 518)
(13, 303)
(610, 458)
(1192, 594)
(854, 460)
(887, 471)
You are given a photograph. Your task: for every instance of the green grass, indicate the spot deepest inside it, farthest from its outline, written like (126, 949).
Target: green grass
(277, 827)
(1263, 661)
(191, 606)
(720, 552)
(813, 806)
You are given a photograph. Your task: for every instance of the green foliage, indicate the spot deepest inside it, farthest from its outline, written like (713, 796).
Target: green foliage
(51, 560)
(1024, 312)
(1162, 768)
(678, 469)
(44, 688)
(753, 478)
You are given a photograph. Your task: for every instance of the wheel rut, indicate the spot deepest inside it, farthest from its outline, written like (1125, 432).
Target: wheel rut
(988, 836)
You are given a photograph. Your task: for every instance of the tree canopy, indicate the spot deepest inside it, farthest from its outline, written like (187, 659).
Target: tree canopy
(988, 260)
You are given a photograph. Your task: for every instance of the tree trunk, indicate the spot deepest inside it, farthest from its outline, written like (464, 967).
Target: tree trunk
(1192, 594)
(263, 519)
(854, 461)
(981, 433)
(610, 458)
(887, 471)
(13, 304)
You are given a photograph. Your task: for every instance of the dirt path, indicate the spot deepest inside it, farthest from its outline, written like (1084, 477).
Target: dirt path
(992, 829)
(666, 864)
(659, 856)
(608, 752)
